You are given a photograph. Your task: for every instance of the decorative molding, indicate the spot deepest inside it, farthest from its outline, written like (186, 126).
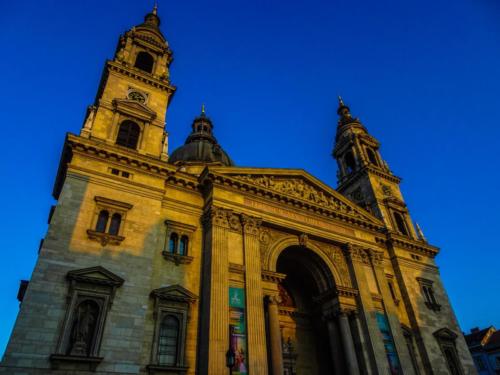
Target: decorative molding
(113, 203)
(274, 277)
(417, 246)
(217, 216)
(236, 268)
(95, 275)
(104, 238)
(177, 258)
(445, 334)
(301, 192)
(60, 361)
(176, 293)
(168, 370)
(171, 224)
(251, 225)
(234, 222)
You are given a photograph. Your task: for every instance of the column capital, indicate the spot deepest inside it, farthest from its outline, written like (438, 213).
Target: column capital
(251, 224)
(273, 299)
(356, 253)
(216, 216)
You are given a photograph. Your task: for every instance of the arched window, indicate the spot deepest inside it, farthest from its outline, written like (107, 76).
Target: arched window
(102, 221)
(400, 223)
(128, 134)
(144, 61)
(168, 340)
(172, 243)
(371, 156)
(83, 329)
(349, 161)
(183, 245)
(114, 227)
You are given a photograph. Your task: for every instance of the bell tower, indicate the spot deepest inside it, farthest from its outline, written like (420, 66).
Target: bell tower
(364, 176)
(134, 93)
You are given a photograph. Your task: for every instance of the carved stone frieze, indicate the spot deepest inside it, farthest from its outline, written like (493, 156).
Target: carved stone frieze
(299, 188)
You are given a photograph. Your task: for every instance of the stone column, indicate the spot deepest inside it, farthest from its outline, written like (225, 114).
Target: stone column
(275, 336)
(214, 323)
(359, 263)
(335, 344)
(350, 352)
(377, 258)
(256, 325)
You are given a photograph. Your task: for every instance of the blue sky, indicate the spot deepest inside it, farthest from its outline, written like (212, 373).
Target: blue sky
(423, 76)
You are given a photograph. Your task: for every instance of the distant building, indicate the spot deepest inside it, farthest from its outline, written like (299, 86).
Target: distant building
(484, 346)
(186, 264)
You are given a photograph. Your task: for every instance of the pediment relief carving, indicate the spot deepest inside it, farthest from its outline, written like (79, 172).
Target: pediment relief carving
(302, 188)
(134, 108)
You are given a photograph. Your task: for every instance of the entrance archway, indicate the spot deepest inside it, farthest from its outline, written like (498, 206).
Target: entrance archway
(306, 345)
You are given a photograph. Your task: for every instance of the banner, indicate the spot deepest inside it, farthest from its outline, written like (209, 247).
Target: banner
(390, 349)
(237, 330)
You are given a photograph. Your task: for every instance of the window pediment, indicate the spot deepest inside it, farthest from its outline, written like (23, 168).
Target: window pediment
(175, 293)
(95, 275)
(445, 334)
(134, 108)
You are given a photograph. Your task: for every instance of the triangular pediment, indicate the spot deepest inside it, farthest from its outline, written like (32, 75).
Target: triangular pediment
(96, 275)
(445, 334)
(134, 108)
(299, 185)
(174, 293)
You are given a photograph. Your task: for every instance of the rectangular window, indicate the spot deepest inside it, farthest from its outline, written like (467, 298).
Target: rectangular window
(427, 289)
(172, 305)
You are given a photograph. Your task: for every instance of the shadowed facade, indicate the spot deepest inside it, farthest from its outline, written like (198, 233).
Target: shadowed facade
(178, 264)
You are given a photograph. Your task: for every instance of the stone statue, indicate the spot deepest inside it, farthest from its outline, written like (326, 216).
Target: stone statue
(83, 328)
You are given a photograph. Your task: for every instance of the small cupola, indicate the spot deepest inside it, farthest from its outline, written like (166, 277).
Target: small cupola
(201, 147)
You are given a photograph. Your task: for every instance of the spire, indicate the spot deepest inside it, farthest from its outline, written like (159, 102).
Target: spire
(345, 113)
(203, 108)
(151, 19)
(420, 233)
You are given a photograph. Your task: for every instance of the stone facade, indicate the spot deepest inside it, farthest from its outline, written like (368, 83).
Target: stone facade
(151, 266)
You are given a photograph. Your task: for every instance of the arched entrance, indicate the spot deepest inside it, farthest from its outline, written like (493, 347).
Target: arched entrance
(306, 343)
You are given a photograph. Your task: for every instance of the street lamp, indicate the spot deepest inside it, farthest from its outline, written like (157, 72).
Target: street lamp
(230, 360)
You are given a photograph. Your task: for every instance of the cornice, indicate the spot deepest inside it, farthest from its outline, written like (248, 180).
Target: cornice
(418, 246)
(133, 159)
(365, 170)
(138, 75)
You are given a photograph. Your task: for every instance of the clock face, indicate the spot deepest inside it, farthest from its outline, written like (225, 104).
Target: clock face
(135, 95)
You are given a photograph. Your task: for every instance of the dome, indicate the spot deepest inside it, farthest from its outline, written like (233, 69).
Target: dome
(201, 147)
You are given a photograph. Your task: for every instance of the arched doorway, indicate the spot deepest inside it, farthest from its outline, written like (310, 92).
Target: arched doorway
(306, 345)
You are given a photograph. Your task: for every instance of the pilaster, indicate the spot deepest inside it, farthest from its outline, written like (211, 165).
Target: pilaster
(357, 258)
(257, 354)
(214, 320)
(377, 258)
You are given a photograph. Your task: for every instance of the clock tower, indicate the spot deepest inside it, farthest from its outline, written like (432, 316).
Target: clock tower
(134, 93)
(364, 176)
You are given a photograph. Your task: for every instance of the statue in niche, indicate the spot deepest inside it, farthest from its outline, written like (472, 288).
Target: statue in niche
(83, 330)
